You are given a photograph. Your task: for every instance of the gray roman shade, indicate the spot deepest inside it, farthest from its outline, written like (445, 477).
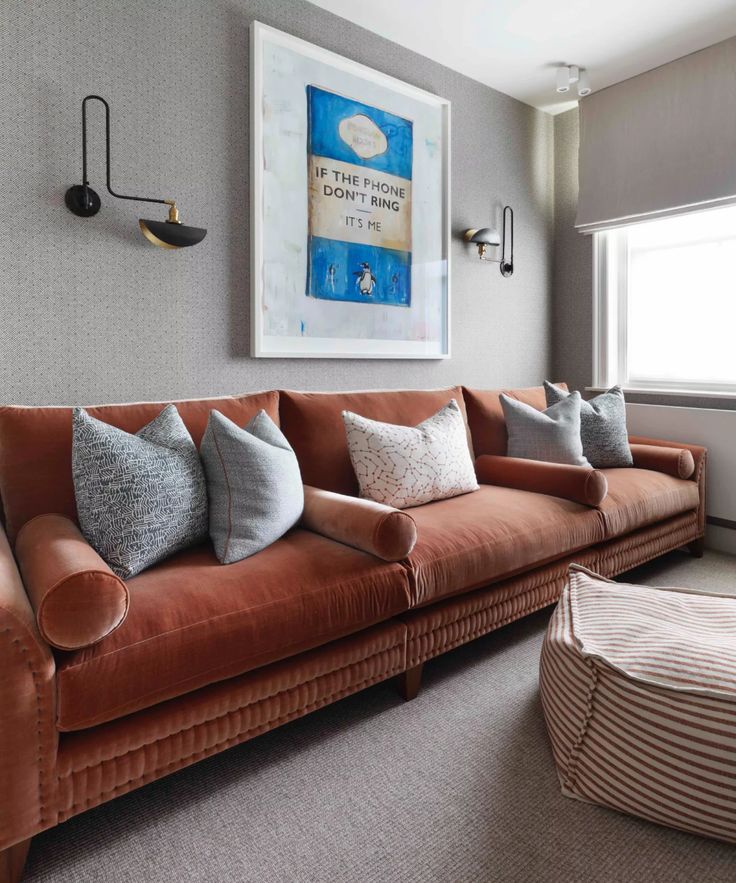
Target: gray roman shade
(661, 143)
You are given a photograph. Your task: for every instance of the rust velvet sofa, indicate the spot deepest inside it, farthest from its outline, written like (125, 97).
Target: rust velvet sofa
(209, 656)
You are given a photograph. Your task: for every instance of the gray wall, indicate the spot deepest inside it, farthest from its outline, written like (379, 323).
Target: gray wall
(89, 312)
(572, 311)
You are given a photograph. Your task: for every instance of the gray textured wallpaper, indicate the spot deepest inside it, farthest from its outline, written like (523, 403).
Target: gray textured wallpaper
(572, 313)
(90, 312)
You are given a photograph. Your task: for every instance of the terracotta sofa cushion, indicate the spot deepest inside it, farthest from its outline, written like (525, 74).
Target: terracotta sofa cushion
(193, 621)
(637, 497)
(485, 415)
(312, 422)
(36, 445)
(77, 599)
(678, 462)
(385, 532)
(581, 484)
(469, 541)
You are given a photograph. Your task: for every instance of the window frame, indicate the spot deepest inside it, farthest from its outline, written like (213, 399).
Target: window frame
(610, 326)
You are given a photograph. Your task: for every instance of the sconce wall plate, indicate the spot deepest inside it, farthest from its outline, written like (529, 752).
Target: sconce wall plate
(84, 202)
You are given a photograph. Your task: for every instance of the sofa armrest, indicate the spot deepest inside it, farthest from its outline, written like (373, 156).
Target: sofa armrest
(382, 531)
(77, 598)
(699, 455)
(677, 462)
(28, 735)
(581, 484)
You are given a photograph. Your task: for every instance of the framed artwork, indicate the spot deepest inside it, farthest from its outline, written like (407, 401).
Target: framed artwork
(350, 203)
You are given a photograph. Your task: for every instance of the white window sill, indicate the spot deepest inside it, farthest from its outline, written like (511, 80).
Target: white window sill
(694, 393)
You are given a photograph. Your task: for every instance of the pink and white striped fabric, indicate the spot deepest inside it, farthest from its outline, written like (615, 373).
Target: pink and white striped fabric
(638, 687)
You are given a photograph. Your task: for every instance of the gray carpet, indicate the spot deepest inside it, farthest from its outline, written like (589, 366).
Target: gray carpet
(457, 785)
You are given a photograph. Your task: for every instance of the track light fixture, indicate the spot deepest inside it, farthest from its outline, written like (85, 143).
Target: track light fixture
(572, 75)
(82, 200)
(563, 79)
(584, 85)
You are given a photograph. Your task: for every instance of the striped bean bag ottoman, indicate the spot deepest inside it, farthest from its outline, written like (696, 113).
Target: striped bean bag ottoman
(638, 687)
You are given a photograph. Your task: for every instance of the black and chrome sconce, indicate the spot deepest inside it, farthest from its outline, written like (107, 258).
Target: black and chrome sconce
(486, 238)
(82, 200)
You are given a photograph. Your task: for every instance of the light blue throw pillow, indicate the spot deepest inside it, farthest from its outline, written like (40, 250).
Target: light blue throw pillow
(253, 482)
(552, 435)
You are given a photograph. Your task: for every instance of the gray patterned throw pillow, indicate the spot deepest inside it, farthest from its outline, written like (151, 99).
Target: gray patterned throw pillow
(253, 482)
(552, 435)
(602, 426)
(141, 497)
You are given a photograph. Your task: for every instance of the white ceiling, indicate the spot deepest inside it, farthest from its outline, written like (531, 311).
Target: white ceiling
(514, 45)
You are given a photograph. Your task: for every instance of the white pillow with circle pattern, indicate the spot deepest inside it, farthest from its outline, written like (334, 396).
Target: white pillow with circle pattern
(405, 466)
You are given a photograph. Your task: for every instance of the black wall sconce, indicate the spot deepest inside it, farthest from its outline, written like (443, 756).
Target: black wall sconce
(486, 238)
(82, 200)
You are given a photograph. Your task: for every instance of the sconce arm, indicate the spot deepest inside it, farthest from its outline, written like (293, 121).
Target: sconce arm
(85, 183)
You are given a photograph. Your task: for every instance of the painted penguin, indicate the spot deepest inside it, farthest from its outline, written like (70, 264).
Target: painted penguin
(331, 272)
(366, 281)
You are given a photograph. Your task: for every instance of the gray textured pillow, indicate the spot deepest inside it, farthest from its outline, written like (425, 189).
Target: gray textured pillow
(253, 482)
(141, 497)
(552, 435)
(602, 426)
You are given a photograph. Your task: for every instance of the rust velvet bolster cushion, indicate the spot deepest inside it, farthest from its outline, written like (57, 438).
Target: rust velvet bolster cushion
(580, 484)
(677, 462)
(371, 527)
(78, 600)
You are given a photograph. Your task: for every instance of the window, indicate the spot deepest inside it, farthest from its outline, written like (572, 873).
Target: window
(665, 304)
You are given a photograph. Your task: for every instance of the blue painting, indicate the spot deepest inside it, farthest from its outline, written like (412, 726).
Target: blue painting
(360, 178)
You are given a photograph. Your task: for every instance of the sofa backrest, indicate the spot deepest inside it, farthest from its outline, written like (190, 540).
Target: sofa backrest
(485, 415)
(36, 447)
(312, 422)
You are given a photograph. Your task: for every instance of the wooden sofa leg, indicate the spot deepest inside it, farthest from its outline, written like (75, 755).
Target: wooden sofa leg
(409, 682)
(697, 547)
(12, 862)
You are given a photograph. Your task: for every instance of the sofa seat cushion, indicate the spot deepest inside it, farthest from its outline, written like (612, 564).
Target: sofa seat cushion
(193, 621)
(638, 497)
(470, 541)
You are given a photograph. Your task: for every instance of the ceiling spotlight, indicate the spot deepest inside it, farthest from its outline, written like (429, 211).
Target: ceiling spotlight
(563, 79)
(570, 75)
(583, 84)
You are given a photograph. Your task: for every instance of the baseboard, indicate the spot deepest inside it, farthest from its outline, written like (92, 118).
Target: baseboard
(720, 538)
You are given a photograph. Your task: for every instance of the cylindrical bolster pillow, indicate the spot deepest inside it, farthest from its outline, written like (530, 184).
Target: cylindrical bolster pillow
(78, 600)
(677, 462)
(385, 532)
(580, 484)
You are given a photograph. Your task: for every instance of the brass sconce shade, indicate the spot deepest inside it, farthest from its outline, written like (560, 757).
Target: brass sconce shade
(171, 233)
(82, 200)
(484, 238)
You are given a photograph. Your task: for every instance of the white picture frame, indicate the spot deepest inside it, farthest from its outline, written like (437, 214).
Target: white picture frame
(389, 329)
